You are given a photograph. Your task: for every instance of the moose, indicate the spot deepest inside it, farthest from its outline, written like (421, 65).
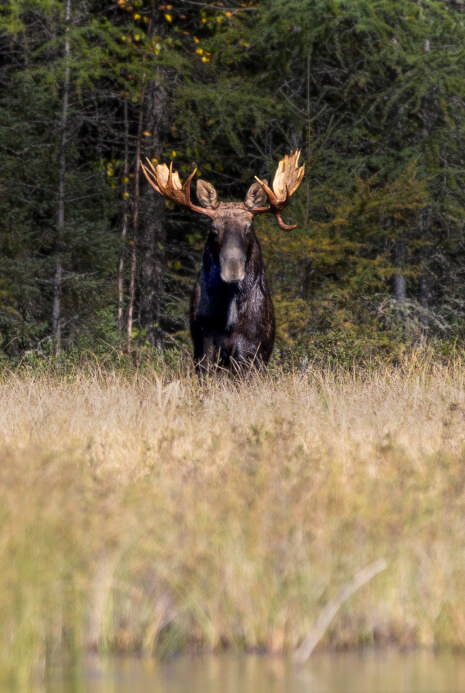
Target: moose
(231, 316)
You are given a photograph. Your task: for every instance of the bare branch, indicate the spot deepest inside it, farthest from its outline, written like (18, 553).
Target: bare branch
(330, 610)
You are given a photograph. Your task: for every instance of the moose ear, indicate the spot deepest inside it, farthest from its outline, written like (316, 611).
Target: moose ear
(207, 195)
(256, 197)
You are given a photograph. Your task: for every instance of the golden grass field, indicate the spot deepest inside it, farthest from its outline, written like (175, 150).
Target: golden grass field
(143, 512)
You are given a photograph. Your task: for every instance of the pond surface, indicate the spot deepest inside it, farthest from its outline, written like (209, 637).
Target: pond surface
(385, 672)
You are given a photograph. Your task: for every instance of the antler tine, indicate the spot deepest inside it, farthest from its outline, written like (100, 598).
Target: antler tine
(151, 166)
(265, 187)
(282, 225)
(187, 186)
(151, 176)
(287, 179)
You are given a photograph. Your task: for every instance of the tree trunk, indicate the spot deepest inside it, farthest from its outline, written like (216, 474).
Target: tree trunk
(423, 291)
(135, 221)
(425, 219)
(152, 235)
(308, 144)
(58, 278)
(147, 258)
(124, 225)
(425, 227)
(399, 282)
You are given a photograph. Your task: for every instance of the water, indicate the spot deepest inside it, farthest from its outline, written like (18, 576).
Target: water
(327, 673)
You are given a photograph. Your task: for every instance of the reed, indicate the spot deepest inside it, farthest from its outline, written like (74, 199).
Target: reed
(145, 513)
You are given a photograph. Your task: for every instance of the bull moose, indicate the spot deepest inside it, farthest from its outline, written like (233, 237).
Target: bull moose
(231, 316)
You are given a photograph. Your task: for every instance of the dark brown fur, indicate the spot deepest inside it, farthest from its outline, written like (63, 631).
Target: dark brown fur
(232, 318)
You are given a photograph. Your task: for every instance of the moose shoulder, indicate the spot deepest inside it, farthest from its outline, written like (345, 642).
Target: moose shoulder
(232, 317)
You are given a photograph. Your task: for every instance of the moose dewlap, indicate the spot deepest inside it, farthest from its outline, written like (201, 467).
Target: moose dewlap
(231, 318)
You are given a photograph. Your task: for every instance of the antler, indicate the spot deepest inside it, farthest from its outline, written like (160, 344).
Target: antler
(287, 179)
(168, 184)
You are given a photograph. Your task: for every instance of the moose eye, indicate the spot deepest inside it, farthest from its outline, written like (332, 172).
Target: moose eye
(215, 230)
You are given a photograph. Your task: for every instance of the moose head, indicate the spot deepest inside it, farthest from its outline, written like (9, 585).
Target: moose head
(231, 221)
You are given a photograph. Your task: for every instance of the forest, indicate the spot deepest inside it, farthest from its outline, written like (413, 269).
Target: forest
(371, 91)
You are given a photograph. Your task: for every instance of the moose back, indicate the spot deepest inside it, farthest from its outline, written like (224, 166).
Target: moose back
(231, 319)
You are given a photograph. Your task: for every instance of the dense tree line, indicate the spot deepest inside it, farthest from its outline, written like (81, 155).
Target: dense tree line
(372, 91)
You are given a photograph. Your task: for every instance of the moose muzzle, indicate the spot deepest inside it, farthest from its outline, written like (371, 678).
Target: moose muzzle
(233, 255)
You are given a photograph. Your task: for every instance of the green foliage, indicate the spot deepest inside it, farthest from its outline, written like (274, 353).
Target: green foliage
(28, 124)
(371, 91)
(372, 94)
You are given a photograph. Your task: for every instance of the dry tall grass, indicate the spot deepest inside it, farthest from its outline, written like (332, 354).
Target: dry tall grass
(147, 513)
